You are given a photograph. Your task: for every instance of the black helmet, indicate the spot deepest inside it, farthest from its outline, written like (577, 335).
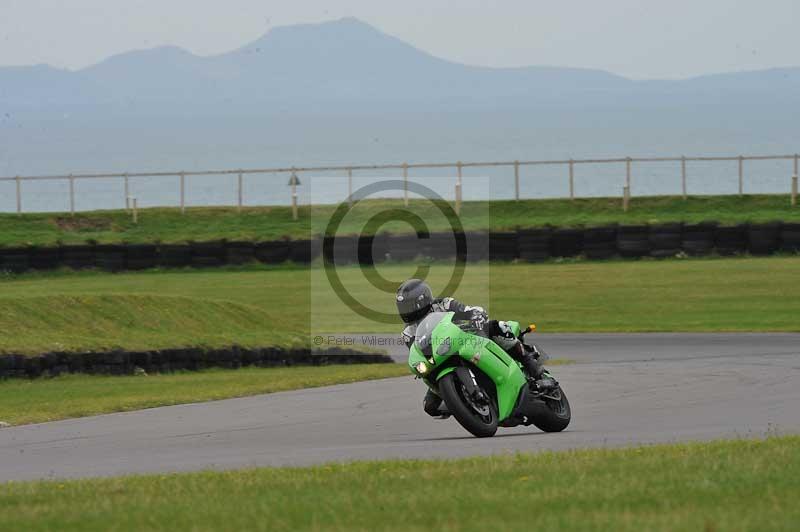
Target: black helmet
(414, 300)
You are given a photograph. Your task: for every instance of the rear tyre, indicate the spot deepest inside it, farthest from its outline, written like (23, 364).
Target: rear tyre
(479, 419)
(553, 415)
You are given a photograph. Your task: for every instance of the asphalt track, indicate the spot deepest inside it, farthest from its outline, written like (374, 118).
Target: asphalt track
(624, 390)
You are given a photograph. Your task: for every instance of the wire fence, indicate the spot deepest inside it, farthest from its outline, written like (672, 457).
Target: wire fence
(627, 167)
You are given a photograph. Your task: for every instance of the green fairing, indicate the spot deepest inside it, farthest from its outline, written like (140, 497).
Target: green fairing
(481, 353)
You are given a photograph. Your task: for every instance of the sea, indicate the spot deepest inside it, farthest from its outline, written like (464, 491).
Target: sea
(60, 144)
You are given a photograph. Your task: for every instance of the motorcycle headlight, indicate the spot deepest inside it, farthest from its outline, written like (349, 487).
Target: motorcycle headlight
(422, 368)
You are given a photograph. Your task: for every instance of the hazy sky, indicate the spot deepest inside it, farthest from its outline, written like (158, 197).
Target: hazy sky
(636, 38)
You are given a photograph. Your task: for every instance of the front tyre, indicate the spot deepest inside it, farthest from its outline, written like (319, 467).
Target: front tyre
(478, 417)
(553, 413)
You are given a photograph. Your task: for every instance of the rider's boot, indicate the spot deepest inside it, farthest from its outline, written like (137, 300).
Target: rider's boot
(529, 359)
(532, 363)
(432, 405)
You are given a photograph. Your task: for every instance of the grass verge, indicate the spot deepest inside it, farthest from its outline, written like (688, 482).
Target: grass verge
(270, 223)
(276, 307)
(69, 396)
(724, 485)
(102, 322)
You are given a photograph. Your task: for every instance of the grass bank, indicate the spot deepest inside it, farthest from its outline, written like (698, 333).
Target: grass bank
(726, 485)
(76, 311)
(168, 225)
(134, 322)
(69, 396)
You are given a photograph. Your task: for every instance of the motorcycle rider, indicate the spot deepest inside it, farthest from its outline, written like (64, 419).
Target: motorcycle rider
(415, 301)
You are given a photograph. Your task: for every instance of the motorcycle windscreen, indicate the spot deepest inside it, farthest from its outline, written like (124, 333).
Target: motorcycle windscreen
(424, 334)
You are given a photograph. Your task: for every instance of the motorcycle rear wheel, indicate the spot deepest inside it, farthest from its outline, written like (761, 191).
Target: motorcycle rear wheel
(480, 420)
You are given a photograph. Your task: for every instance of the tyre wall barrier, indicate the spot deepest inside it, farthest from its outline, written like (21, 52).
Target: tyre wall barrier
(503, 246)
(127, 362)
(531, 245)
(790, 237)
(633, 241)
(402, 247)
(272, 252)
(698, 239)
(240, 253)
(566, 242)
(763, 239)
(534, 244)
(141, 256)
(665, 240)
(600, 242)
(209, 254)
(730, 240)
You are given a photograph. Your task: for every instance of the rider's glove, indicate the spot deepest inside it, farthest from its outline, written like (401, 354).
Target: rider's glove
(479, 317)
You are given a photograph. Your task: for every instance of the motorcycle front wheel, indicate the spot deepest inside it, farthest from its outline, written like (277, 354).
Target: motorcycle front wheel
(553, 413)
(478, 418)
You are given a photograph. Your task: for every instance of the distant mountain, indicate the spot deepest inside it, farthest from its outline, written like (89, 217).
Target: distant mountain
(348, 63)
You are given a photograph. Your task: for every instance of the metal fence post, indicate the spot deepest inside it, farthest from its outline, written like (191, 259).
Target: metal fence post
(239, 190)
(458, 189)
(350, 186)
(571, 179)
(183, 192)
(683, 176)
(405, 184)
(741, 175)
(19, 195)
(628, 174)
(293, 181)
(71, 195)
(626, 190)
(516, 180)
(794, 181)
(135, 211)
(127, 192)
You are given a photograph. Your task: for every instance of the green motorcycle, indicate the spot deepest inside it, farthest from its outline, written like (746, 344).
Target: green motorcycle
(482, 386)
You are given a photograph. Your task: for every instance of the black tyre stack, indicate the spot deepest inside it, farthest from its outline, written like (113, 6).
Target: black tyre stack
(440, 246)
(208, 254)
(503, 246)
(534, 244)
(698, 239)
(600, 242)
(763, 239)
(174, 255)
(47, 258)
(731, 240)
(141, 257)
(790, 237)
(633, 241)
(14, 260)
(665, 240)
(341, 250)
(477, 246)
(365, 253)
(78, 257)
(566, 242)
(272, 252)
(402, 247)
(110, 257)
(304, 251)
(240, 252)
